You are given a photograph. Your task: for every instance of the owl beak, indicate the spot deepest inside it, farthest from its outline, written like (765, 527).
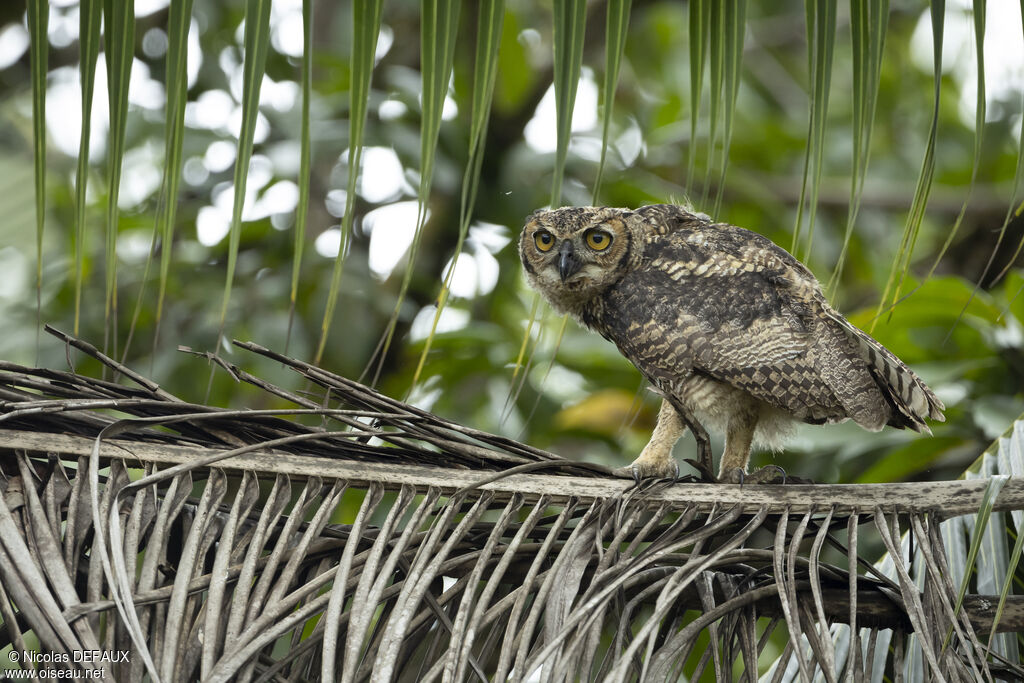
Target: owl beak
(567, 261)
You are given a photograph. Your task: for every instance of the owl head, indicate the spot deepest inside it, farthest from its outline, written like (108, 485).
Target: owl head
(572, 254)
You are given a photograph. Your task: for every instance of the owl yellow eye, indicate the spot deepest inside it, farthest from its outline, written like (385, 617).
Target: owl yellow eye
(598, 240)
(544, 240)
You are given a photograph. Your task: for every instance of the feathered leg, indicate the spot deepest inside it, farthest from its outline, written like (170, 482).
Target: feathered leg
(656, 458)
(738, 436)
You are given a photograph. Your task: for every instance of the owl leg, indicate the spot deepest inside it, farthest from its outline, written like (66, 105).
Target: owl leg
(700, 434)
(739, 433)
(655, 461)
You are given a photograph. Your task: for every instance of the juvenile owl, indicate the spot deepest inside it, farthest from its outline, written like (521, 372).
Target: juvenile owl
(731, 330)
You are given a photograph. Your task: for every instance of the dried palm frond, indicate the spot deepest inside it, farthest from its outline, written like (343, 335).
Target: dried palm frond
(393, 544)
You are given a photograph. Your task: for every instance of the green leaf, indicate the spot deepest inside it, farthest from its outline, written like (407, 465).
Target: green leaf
(257, 39)
(869, 20)
(700, 28)
(821, 38)
(716, 67)
(979, 131)
(617, 26)
(39, 50)
(1011, 571)
(988, 500)
(305, 162)
(488, 41)
(728, 22)
(89, 20)
(1018, 176)
(734, 27)
(901, 264)
(569, 29)
(119, 44)
(438, 30)
(179, 18)
(365, 29)
(996, 564)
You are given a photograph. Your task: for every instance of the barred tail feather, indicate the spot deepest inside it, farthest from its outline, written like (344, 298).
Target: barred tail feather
(909, 397)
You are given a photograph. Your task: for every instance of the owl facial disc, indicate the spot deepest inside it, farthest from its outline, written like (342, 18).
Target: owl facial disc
(568, 262)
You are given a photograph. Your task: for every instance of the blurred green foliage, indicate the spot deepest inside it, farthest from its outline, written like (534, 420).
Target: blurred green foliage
(579, 397)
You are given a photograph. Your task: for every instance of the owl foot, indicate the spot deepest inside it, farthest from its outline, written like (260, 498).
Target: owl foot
(654, 468)
(770, 474)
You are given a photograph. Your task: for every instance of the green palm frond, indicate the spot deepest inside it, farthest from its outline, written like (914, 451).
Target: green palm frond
(567, 37)
(366, 17)
(257, 41)
(89, 46)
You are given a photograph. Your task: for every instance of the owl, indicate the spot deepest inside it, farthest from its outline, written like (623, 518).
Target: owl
(730, 329)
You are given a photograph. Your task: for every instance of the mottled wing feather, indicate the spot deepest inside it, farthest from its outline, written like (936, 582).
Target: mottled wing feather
(910, 399)
(699, 307)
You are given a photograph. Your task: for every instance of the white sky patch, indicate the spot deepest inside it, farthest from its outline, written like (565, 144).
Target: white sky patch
(286, 156)
(391, 109)
(540, 132)
(336, 201)
(133, 246)
(391, 229)
(230, 62)
(219, 156)
(195, 54)
(561, 383)
(464, 279)
(262, 128)
(278, 95)
(451, 320)
(194, 171)
(143, 8)
(13, 43)
(14, 270)
(211, 225)
(154, 43)
(140, 175)
(385, 39)
(64, 110)
(281, 197)
(449, 110)
(425, 394)
(529, 38)
(630, 144)
(490, 236)
(260, 173)
(62, 29)
(1004, 54)
(476, 273)
(381, 178)
(286, 27)
(328, 242)
(144, 91)
(64, 104)
(476, 269)
(586, 147)
(211, 110)
(213, 222)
